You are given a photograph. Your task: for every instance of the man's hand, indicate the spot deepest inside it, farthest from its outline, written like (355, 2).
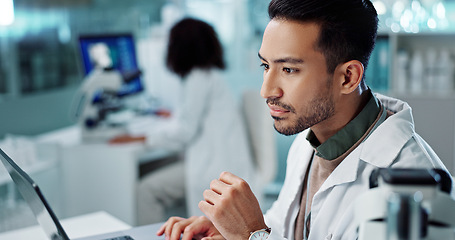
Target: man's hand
(232, 207)
(191, 228)
(126, 139)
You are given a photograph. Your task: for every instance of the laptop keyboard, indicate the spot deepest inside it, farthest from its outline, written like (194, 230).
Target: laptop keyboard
(120, 238)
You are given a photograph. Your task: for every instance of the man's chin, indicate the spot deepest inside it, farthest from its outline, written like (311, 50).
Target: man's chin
(280, 127)
(283, 130)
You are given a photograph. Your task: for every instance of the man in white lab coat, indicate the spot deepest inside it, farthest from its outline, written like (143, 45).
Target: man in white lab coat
(314, 55)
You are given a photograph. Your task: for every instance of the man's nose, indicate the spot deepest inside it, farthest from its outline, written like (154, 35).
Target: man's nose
(270, 86)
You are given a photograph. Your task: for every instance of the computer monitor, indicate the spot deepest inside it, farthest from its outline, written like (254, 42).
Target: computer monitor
(122, 53)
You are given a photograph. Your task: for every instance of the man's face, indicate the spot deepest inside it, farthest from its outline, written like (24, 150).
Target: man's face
(296, 84)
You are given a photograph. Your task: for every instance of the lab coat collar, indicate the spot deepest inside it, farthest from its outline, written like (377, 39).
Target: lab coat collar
(378, 149)
(391, 135)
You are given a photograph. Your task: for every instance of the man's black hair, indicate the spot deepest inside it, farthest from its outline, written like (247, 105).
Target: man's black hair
(348, 27)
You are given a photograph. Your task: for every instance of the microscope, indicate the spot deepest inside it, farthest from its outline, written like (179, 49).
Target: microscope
(99, 97)
(406, 204)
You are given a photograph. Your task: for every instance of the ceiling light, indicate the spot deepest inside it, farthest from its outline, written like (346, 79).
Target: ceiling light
(6, 12)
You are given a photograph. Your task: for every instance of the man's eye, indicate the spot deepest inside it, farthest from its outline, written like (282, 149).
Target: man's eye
(290, 70)
(265, 66)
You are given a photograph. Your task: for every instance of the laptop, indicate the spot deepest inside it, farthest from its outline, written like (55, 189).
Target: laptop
(48, 220)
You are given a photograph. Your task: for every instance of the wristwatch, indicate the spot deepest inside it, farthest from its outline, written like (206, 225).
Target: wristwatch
(261, 234)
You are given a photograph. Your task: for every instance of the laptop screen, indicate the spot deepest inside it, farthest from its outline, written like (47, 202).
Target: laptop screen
(35, 199)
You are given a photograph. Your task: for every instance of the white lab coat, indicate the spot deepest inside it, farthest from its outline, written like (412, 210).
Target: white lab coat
(394, 143)
(210, 127)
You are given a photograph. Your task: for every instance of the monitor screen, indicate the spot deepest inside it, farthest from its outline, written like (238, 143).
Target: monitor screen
(121, 52)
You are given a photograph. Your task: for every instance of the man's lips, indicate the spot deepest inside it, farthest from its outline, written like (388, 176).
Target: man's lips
(277, 111)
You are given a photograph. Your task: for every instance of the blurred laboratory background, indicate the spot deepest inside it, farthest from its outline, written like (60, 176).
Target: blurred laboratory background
(43, 63)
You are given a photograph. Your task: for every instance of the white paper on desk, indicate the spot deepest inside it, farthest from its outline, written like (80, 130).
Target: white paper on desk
(151, 126)
(160, 132)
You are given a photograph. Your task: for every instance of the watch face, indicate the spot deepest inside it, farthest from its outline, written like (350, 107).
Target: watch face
(260, 235)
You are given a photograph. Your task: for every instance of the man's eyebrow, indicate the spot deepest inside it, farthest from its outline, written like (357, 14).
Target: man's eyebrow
(262, 58)
(283, 60)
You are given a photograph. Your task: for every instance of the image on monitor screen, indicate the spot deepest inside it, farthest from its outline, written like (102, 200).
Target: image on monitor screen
(122, 53)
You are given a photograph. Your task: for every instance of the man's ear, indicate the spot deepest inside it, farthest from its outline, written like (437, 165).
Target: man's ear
(351, 75)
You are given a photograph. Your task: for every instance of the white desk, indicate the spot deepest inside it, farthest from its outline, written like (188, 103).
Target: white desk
(76, 227)
(100, 176)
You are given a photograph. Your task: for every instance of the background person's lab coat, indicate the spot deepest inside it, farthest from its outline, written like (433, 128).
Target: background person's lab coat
(210, 127)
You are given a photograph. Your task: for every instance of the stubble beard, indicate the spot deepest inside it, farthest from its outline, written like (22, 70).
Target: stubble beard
(321, 108)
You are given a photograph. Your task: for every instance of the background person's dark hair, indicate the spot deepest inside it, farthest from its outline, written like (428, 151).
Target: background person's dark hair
(348, 27)
(193, 44)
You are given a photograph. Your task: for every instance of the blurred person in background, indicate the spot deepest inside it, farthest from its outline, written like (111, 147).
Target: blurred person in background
(209, 126)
